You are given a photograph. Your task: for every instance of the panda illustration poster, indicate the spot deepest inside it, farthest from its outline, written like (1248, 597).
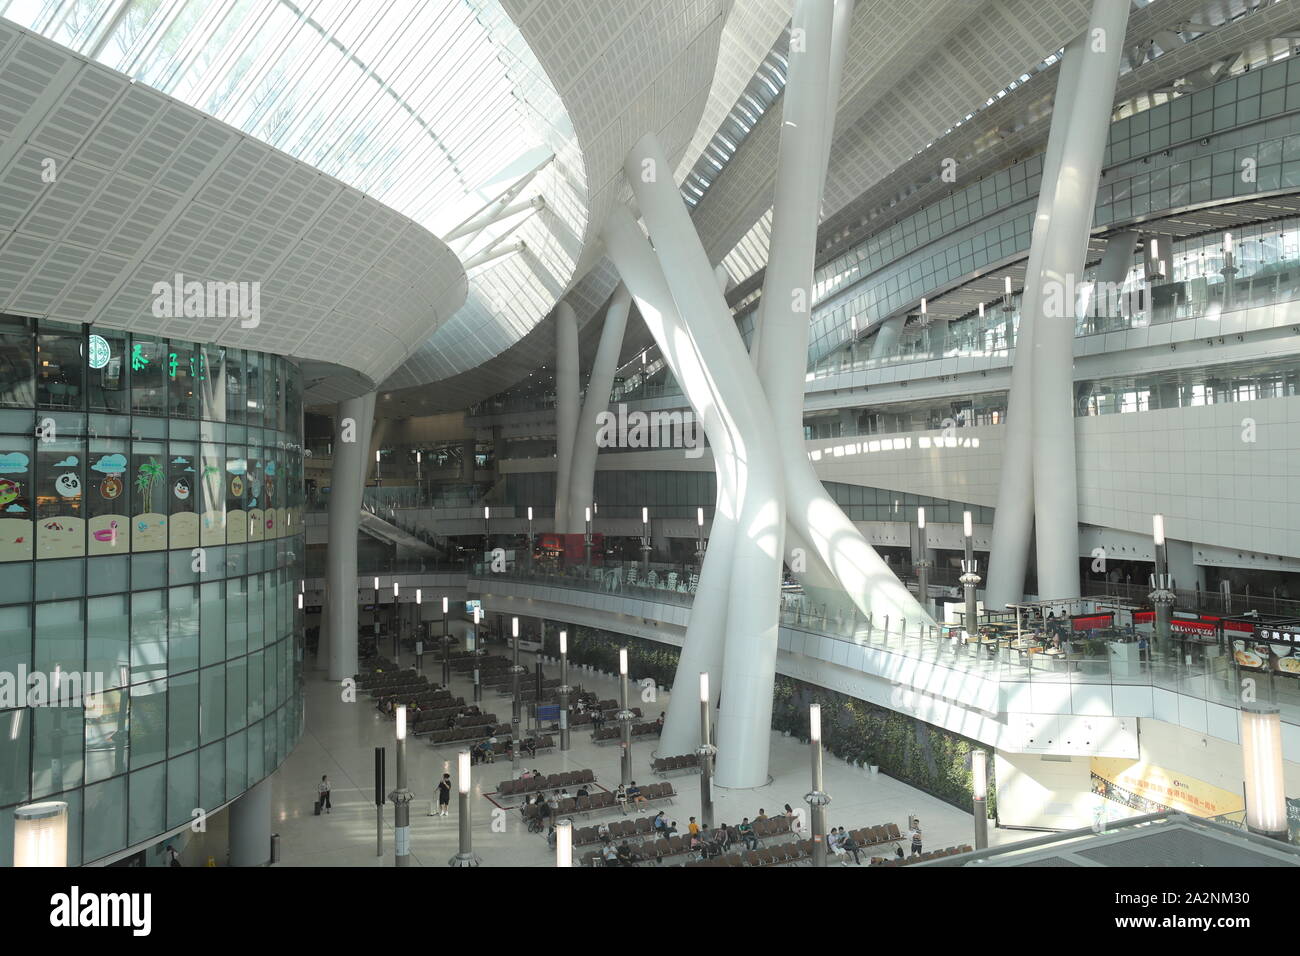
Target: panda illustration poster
(60, 518)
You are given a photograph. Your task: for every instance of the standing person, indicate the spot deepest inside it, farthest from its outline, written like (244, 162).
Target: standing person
(323, 792)
(916, 837)
(173, 858)
(444, 794)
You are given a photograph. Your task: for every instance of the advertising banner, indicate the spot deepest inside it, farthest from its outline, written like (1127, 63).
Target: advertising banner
(1146, 788)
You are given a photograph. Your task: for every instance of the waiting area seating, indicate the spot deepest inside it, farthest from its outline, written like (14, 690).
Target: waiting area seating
(686, 763)
(614, 733)
(553, 781)
(922, 857)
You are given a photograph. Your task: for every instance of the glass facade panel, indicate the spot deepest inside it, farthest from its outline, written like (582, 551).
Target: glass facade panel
(119, 590)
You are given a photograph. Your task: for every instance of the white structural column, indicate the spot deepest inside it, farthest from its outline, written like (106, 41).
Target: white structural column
(702, 649)
(1013, 518)
(566, 415)
(886, 338)
(1108, 278)
(582, 473)
(749, 665)
(785, 309)
(1056, 502)
(347, 482)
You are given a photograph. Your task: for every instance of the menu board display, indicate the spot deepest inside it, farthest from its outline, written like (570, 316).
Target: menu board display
(1272, 647)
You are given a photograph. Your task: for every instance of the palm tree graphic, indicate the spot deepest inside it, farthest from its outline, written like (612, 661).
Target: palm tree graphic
(150, 472)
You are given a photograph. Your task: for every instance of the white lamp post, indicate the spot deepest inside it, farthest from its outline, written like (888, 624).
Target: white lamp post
(564, 843)
(817, 798)
(1261, 752)
(466, 855)
(980, 792)
(706, 752)
(624, 717)
(564, 690)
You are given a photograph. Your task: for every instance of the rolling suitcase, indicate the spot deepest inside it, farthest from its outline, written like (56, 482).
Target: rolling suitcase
(317, 808)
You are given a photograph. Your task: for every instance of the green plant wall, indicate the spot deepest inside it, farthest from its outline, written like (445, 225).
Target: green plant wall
(921, 755)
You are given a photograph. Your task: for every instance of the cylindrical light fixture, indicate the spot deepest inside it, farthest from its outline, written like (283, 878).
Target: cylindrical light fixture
(699, 517)
(478, 615)
(920, 518)
(41, 834)
(967, 525)
(1158, 530)
(815, 722)
(444, 605)
(981, 310)
(979, 768)
(564, 843)
(622, 661)
(645, 515)
(1227, 243)
(1006, 285)
(923, 305)
(419, 596)
(376, 585)
(487, 512)
(300, 602)
(530, 512)
(1261, 752)
(396, 587)
(704, 687)
(564, 642)
(514, 627)
(401, 721)
(588, 515)
(462, 771)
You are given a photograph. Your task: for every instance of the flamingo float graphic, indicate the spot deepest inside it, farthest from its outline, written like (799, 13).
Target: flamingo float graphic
(109, 534)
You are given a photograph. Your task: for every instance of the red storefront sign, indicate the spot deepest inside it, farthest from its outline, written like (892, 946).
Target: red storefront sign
(1091, 622)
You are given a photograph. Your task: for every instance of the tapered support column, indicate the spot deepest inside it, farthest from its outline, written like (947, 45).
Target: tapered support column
(749, 673)
(352, 427)
(784, 307)
(582, 477)
(702, 649)
(624, 718)
(1013, 518)
(566, 411)
(1056, 503)
(886, 339)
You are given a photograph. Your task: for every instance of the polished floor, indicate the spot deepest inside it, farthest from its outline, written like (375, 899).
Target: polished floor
(340, 740)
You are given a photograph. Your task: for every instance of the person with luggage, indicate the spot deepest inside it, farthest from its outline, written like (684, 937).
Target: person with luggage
(323, 794)
(444, 794)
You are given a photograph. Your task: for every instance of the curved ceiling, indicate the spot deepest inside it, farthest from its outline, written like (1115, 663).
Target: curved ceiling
(138, 187)
(428, 108)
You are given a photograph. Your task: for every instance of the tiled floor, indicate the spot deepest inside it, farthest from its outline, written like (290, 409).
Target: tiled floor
(340, 738)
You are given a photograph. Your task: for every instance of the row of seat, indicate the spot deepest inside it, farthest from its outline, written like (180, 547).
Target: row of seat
(685, 762)
(932, 855)
(795, 851)
(476, 734)
(553, 781)
(607, 734)
(579, 720)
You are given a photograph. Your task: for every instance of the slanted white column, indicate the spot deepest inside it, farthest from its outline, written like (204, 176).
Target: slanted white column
(702, 649)
(582, 475)
(886, 338)
(566, 416)
(1013, 518)
(1108, 279)
(749, 665)
(785, 309)
(352, 429)
(1065, 247)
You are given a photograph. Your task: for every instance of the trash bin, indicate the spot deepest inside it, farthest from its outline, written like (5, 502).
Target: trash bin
(275, 848)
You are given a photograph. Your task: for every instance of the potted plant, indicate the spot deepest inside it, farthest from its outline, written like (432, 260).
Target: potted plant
(872, 766)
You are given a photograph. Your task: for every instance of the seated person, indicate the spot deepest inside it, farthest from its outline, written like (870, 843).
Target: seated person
(626, 855)
(849, 845)
(634, 794)
(610, 855)
(620, 797)
(583, 792)
(660, 824)
(602, 831)
(746, 830)
(530, 747)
